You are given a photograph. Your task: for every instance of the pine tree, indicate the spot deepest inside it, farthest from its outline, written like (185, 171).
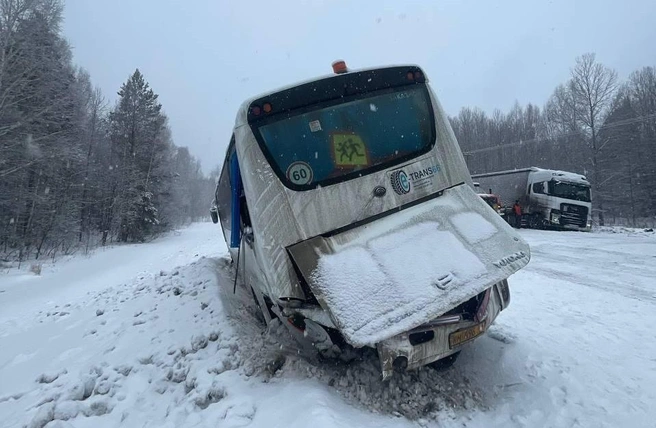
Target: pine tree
(71, 175)
(140, 147)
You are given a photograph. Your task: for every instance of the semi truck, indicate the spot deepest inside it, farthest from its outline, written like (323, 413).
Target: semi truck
(548, 198)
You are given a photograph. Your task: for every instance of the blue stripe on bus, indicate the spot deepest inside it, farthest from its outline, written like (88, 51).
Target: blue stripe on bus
(235, 220)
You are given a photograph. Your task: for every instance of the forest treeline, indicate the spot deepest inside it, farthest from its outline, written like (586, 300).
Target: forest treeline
(593, 124)
(76, 172)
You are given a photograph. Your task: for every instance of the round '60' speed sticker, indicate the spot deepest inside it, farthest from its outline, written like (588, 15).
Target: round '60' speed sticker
(299, 173)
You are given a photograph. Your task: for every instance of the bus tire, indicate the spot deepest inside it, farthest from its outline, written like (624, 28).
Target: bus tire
(444, 363)
(260, 313)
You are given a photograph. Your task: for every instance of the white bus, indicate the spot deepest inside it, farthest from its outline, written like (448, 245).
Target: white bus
(350, 215)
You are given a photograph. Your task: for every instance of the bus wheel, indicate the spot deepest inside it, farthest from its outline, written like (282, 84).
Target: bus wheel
(444, 363)
(267, 303)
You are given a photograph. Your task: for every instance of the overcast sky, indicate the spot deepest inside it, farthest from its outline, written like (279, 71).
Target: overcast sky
(204, 57)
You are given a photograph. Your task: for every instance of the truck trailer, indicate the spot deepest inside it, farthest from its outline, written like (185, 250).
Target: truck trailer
(548, 198)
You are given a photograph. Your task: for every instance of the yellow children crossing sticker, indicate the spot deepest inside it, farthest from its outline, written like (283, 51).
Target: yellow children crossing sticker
(349, 150)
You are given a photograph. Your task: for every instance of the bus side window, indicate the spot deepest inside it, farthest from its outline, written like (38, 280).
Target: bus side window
(230, 199)
(245, 215)
(237, 186)
(222, 199)
(240, 215)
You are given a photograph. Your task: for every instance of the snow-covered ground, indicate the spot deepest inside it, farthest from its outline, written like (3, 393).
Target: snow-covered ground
(151, 336)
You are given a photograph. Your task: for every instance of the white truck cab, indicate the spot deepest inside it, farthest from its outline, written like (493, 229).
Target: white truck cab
(549, 198)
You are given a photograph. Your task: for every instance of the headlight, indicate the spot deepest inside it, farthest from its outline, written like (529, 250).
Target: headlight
(555, 217)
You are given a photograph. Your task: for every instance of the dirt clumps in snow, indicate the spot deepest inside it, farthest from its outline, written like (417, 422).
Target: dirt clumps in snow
(198, 342)
(83, 389)
(50, 377)
(123, 369)
(45, 414)
(422, 393)
(177, 375)
(214, 395)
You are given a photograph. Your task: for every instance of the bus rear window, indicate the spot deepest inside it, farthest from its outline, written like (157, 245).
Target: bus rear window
(350, 139)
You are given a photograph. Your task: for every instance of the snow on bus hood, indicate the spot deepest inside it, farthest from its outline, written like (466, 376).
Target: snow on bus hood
(398, 272)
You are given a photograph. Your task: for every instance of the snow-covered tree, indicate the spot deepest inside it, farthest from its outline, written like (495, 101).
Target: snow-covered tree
(591, 125)
(72, 174)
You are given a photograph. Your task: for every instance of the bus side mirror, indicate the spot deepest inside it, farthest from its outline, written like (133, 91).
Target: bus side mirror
(214, 214)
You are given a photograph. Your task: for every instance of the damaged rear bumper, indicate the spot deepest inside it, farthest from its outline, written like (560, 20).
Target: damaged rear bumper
(442, 336)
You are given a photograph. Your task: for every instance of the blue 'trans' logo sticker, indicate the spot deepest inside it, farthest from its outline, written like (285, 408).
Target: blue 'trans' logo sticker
(400, 182)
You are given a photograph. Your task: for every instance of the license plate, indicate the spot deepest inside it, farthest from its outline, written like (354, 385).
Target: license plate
(466, 334)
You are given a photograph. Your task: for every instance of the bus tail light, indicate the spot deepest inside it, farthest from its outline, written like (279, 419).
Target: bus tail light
(267, 107)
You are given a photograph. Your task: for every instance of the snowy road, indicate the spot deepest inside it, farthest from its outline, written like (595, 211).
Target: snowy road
(151, 336)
